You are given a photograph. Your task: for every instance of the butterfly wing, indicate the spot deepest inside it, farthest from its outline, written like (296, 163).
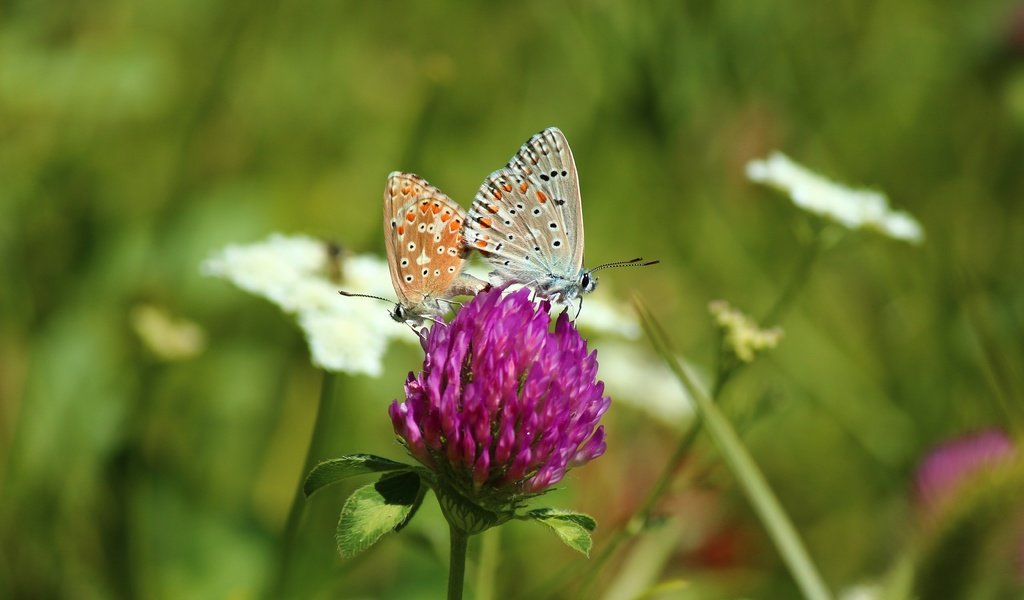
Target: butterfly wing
(527, 218)
(423, 233)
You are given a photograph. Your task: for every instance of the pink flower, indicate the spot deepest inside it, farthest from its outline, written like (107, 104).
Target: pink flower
(504, 406)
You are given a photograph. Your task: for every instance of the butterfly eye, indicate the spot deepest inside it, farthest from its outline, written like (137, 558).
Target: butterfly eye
(588, 283)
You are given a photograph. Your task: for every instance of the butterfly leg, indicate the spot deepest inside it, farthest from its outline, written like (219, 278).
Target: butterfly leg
(451, 304)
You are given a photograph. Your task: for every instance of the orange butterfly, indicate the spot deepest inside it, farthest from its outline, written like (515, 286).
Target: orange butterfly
(423, 238)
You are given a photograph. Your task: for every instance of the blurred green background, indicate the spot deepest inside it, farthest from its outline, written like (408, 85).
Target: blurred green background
(138, 137)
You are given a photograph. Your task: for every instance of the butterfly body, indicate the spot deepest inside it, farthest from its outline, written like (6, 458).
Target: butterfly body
(527, 220)
(423, 239)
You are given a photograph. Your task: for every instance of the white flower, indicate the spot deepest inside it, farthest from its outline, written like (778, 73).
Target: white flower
(344, 334)
(169, 339)
(605, 317)
(854, 209)
(643, 381)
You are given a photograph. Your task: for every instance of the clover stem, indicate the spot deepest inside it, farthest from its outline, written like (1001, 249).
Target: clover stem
(457, 565)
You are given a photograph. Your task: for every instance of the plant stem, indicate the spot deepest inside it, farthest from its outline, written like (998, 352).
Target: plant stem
(457, 564)
(728, 365)
(797, 279)
(320, 427)
(755, 487)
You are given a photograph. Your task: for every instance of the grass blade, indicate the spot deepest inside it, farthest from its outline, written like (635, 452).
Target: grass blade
(739, 461)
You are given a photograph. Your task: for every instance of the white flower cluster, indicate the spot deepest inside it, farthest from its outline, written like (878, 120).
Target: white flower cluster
(854, 209)
(742, 335)
(344, 334)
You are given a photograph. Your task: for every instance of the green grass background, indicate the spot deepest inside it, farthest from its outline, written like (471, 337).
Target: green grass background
(138, 137)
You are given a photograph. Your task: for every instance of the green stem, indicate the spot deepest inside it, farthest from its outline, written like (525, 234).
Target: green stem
(801, 273)
(487, 564)
(320, 427)
(755, 487)
(457, 564)
(797, 280)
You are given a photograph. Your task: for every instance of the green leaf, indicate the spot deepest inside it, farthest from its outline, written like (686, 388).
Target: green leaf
(375, 509)
(414, 507)
(336, 469)
(574, 528)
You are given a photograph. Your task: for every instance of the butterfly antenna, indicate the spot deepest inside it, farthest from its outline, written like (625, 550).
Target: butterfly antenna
(351, 295)
(633, 262)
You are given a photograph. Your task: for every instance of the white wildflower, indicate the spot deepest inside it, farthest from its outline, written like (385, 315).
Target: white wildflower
(344, 334)
(852, 208)
(351, 339)
(605, 317)
(742, 335)
(643, 381)
(170, 339)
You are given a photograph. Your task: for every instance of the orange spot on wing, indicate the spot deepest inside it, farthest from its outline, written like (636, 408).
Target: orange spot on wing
(508, 187)
(523, 186)
(493, 208)
(445, 217)
(401, 230)
(481, 244)
(484, 222)
(436, 208)
(424, 206)
(496, 194)
(410, 217)
(454, 226)
(541, 197)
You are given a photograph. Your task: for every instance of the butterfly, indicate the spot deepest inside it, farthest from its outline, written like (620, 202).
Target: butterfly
(423, 239)
(527, 221)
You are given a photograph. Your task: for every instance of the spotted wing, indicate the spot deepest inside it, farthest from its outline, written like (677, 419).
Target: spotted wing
(527, 218)
(423, 233)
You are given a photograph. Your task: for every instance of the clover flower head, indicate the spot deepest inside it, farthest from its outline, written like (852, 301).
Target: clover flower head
(300, 274)
(504, 405)
(743, 336)
(852, 208)
(953, 462)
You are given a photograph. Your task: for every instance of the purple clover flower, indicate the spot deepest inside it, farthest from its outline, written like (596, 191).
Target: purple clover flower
(953, 462)
(504, 406)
